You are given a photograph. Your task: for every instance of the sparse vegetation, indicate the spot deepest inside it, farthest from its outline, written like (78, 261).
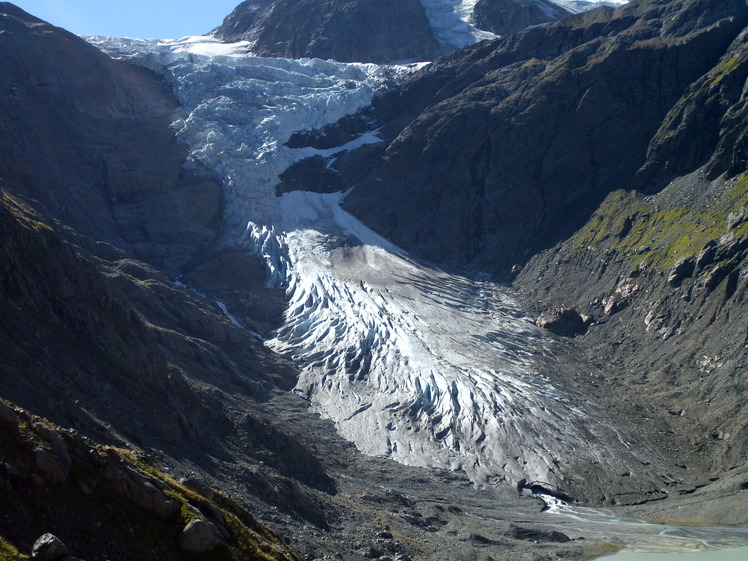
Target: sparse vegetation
(643, 233)
(9, 552)
(118, 522)
(603, 549)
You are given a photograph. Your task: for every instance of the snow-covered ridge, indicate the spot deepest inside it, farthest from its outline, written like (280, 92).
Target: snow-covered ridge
(420, 364)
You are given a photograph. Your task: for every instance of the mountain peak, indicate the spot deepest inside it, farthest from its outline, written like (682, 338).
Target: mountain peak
(381, 31)
(347, 31)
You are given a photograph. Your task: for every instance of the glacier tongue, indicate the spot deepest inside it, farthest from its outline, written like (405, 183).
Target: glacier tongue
(413, 362)
(450, 22)
(410, 361)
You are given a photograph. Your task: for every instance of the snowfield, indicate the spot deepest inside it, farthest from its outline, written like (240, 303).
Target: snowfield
(413, 362)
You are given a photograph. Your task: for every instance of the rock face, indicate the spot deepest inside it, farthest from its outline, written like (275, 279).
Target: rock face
(77, 133)
(347, 31)
(502, 149)
(112, 504)
(562, 321)
(198, 536)
(509, 16)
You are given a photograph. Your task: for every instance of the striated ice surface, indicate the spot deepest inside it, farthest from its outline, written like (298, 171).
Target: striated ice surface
(410, 361)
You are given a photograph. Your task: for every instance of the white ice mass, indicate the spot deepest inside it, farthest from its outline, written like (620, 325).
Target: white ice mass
(420, 364)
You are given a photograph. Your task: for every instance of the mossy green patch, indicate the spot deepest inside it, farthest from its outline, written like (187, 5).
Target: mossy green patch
(641, 232)
(9, 552)
(603, 549)
(22, 212)
(727, 67)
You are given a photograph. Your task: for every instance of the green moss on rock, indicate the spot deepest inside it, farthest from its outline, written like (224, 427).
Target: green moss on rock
(636, 229)
(9, 552)
(97, 503)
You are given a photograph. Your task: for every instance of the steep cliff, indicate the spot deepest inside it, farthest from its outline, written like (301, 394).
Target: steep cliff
(502, 149)
(509, 16)
(352, 30)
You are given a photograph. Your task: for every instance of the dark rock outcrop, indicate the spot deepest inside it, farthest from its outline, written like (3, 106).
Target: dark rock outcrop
(347, 30)
(681, 271)
(562, 321)
(509, 16)
(536, 535)
(115, 504)
(78, 132)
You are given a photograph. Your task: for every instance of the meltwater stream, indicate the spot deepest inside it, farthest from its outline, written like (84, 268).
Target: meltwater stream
(410, 361)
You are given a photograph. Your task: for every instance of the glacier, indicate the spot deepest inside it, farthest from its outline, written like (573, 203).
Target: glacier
(451, 20)
(411, 361)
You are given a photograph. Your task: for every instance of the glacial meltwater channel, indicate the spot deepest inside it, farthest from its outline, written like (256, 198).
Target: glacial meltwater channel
(736, 554)
(646, 541)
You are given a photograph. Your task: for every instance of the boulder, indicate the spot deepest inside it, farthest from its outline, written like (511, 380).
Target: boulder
(199, 486)
(48, 548)
(198, 536)
(142, 490)
(563, 321)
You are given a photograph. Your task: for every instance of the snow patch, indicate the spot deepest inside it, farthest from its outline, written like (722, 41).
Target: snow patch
(371, 137)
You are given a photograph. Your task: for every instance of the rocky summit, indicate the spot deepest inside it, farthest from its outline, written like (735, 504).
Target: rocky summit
(259, 301)
(352, 30)
(382, 32)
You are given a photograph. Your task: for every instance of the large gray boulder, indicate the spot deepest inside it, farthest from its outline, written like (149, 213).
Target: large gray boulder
(48, 548)
(563, 321)
(198, 536)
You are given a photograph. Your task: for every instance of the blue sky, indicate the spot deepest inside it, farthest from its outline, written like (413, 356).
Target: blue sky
(162, 19)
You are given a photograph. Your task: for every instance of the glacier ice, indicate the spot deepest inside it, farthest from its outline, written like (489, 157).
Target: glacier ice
(410, 361)
(450, 23)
